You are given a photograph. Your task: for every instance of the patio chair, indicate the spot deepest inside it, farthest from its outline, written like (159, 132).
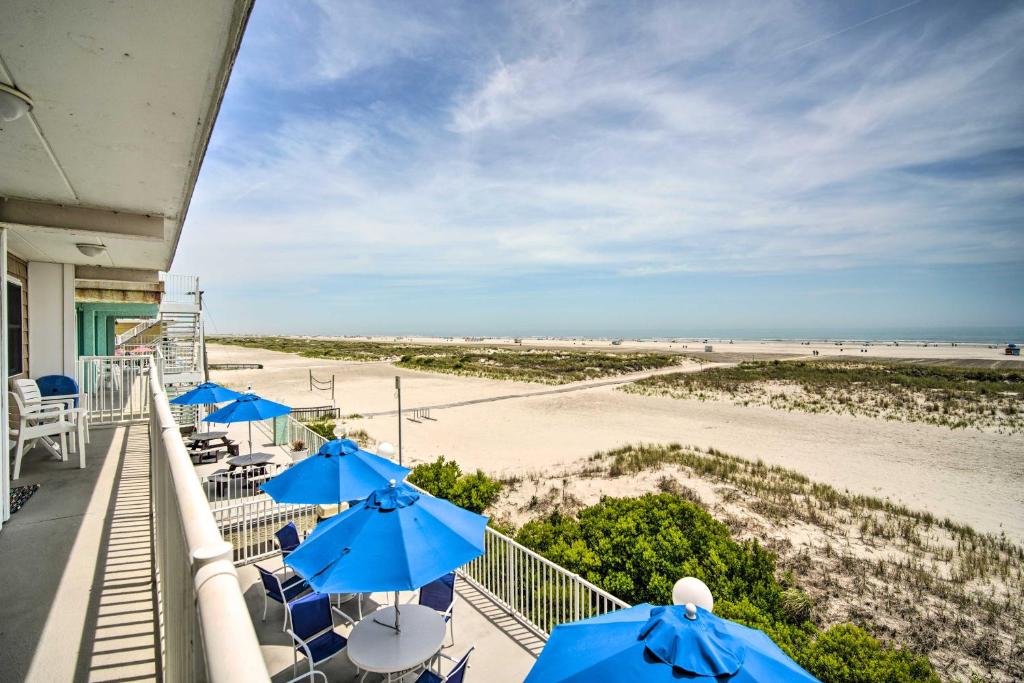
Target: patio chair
(40, 422)
(64, 389)
(284, 592)
(439, 594)
(456, 675)
(287, 538)
(313, 631)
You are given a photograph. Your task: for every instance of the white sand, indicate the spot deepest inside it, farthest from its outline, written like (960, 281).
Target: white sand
(972, 476)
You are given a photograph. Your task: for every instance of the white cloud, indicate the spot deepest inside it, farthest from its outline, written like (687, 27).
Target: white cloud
(569, 136)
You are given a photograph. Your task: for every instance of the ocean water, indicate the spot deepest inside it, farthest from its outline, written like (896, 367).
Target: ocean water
(964, 335)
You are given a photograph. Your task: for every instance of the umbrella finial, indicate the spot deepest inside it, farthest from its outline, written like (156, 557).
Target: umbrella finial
(392, 483)
(691, 611)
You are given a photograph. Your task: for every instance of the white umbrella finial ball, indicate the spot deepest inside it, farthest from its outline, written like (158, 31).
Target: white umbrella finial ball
(692, 590)
(386, 450)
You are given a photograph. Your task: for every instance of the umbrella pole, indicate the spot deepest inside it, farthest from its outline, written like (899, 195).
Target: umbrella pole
(397, 613)
(250, 438)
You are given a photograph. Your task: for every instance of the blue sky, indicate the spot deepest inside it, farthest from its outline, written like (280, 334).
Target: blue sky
(616, 168)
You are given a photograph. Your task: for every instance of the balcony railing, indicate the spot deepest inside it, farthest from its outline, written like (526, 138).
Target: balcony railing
(116, 388)
(205, 628)
(180, 289)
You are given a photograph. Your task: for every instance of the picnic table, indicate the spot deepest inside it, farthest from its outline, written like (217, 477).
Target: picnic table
(204, 444)
(244, 472)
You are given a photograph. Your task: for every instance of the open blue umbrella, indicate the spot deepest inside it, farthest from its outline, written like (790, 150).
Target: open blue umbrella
(248, 408)
(339, 472)
(397, 539)
(205, 394)
(651, 644)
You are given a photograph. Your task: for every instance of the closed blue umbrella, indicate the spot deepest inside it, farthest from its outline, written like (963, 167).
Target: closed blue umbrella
(652, 644)
(339, 472)
(205, 394)
(397, 539)
(248, 408)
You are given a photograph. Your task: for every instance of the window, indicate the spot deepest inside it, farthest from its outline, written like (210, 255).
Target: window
(15, 359)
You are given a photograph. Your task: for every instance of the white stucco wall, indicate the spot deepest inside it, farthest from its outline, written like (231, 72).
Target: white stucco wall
(51, 327)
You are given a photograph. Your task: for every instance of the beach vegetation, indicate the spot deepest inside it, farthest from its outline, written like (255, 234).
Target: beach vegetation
(953, 397)
(636, 548)
(906, 576)
(546, 366)
(443, 478)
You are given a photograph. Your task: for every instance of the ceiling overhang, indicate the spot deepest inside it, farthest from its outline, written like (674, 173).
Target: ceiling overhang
(125, 98)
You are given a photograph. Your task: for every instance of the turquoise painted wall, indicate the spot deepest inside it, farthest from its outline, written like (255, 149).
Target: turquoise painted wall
(96, 324)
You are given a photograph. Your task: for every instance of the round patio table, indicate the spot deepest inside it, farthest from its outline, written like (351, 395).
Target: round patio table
(378, 648)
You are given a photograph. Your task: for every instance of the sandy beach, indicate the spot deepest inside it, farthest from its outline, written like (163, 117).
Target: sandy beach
(972, 476)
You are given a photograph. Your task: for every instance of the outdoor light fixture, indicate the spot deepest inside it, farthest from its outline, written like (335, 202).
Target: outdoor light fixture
(91, 249)
(13, 103)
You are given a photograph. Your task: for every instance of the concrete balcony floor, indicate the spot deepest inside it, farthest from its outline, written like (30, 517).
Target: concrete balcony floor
(505, 650)
(76, 594)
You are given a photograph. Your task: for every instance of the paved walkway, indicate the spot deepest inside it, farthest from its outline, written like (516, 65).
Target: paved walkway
(76, 600)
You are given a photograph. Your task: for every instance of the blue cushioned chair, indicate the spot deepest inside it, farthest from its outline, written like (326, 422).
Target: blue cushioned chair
(456, 675)
(287, 538)
(313, 631)
(280, 591)
(440, 595)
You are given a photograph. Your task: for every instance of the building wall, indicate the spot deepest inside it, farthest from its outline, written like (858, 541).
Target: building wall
(96, 324)
(52, 335)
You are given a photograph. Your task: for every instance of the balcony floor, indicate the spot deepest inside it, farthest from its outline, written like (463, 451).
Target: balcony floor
(504, 653)
(76, 579)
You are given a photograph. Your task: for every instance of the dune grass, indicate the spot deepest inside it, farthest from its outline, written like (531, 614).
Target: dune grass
(522, 365)
(952, 397)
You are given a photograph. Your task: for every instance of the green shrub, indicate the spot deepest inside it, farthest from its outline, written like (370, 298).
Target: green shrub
(324, 427)
(476, 492)
(636, 548)
(436, 478)
(848, 654)
(443, 478)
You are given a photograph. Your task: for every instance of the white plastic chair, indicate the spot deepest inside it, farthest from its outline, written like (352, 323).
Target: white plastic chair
(32, 397)
(40, 423)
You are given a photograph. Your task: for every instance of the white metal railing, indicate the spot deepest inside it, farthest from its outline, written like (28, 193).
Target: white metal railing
(206, 632)
(180, 289)
(134, 331)
(535, 590)
(116, 388)
(248, 524)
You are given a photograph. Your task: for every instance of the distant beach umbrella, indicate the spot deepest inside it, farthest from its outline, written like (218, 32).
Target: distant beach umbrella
(248, 408)
(205, 394)
(339, 472)
(670, 644)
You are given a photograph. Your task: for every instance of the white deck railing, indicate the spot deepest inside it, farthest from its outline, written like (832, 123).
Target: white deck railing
(537, 592)
(180, 289)
(116, 388)
(206, 632)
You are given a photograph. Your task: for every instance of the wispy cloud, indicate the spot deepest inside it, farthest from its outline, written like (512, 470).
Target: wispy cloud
(487, 140)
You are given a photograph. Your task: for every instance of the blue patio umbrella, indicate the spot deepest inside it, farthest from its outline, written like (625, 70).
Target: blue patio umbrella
(205, 394)
(339, 472)
(248, 408)
(397, 539)
(651, 644)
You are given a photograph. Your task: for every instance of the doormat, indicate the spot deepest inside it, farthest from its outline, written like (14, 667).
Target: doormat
(21, 494)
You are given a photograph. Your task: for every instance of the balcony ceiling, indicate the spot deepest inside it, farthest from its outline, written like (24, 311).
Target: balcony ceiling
(125, 95)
